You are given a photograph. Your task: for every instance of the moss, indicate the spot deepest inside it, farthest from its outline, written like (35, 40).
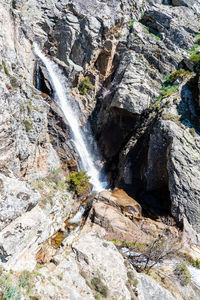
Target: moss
(85, 86)
(28, 109)
(131, 24)
(195, 58)
(171, 117)
(78, 182)
(179, 74)
(155, 37)
(25, 280)
(56, 171)
(139, 58)
(152, 34)
(145, 31)
(5, 68)
(28, 125)
(99, 287)
(14, 82)
(196, 263)
(198, 41)
(128, 244)
(192, 131)
(60, 277)
(12, 293)
(167, 89)
(183, 274)
(132, 280)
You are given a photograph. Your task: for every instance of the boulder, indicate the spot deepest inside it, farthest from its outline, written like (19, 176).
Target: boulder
(16, 198)
(112, 223)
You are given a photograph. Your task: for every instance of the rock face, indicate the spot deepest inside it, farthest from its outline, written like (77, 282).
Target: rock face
(125, 224)
(17, 197)
(130, 70)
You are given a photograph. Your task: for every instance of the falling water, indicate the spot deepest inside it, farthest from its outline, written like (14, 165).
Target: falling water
(86, 158)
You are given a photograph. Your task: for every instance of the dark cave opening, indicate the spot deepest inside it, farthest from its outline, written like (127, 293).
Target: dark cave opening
(41, 81)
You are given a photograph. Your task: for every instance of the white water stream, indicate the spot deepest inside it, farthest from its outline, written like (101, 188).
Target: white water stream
(86, 157)
(195, 275)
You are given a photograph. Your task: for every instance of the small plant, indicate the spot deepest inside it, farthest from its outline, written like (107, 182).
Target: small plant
(182, 74)
(195, 58)
(5, 68)
(152, 34)
(78, 182)
(56, 171)
(29, 108)
(131, 245)
(145, 258)
(133, 281)
(85, 86)
(28, 125)
(12, 293)
(197, 38)
(155, 37)
(26, 280)
(13, 81)
(168, 87)
(183, 274)
(196, 263)
(192, 131)
(131, 24)
(99, 287)
(194, 49)
(60, 277)
(171, 117)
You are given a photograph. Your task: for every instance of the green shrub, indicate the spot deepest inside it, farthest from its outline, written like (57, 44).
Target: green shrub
(25, 278)
(78, 182)
(168, 87)
(85, 86)
(99, 287)
(179, 74)
(195, 58)
(12, 293)
(196, 263)
(183, 274)
(166, 91)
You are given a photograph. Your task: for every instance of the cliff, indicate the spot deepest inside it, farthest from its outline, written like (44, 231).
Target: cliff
(131, 69)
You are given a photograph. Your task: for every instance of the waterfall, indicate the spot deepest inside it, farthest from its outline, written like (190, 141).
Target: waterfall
(63, 100)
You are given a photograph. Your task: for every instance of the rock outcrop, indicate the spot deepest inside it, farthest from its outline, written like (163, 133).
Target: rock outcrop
(133, 68)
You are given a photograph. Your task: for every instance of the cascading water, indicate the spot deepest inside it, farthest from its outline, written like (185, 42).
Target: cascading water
(86, 158)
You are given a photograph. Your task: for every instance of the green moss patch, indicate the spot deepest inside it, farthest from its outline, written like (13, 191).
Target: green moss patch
(99, 287)
(183, 274)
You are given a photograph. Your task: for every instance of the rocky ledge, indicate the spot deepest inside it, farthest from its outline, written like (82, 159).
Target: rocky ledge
(133, 70)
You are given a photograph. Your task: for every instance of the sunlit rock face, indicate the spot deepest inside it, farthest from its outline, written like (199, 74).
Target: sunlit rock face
(118, 60)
